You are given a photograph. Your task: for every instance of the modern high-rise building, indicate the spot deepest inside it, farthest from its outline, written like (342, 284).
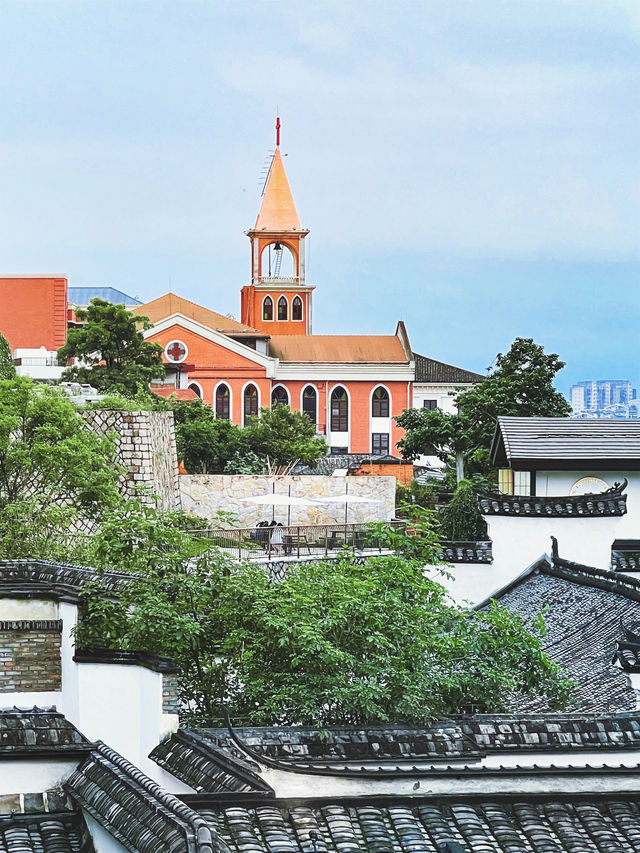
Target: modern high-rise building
(604, 398)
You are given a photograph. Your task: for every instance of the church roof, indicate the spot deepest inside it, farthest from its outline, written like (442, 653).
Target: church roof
(430, 370)
(164, 306)
(278, 210)
(338, 348)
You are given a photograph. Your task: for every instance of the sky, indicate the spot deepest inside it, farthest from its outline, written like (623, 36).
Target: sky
(469, 167)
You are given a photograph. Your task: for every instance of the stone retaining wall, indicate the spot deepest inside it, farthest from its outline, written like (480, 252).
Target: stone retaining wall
(146, 449)
(207, 494)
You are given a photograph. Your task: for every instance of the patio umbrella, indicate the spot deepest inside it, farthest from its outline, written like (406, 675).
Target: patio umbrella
(273, 499)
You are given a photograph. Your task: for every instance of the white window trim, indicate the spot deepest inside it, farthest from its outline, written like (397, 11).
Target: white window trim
(244, 388)
(297, 296)
(273, 311)
(302, 390)
(284, 387)
(329, 430)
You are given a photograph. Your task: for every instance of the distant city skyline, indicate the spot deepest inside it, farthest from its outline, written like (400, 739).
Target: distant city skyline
(464, 167)
(605, 398)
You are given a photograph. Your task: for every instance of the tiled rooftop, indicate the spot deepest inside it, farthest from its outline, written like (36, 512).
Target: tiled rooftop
(31, 578)
(609, 503)
(596, 826)
(584, 610)
(37, 730)
(467, 552)
(45, 833)
(139, 814)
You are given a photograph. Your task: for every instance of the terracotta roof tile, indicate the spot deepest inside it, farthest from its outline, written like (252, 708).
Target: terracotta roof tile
(167, 391)
(164, 306)
(338, 348)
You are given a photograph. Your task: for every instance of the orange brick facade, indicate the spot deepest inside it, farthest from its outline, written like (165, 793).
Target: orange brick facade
(33, 312)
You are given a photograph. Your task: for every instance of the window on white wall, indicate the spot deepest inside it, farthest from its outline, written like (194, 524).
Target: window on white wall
(430, 404)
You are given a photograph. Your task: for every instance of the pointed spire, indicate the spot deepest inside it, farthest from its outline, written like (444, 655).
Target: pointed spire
(278, 210)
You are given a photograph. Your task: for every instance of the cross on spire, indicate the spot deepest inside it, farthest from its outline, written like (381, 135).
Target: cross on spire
(277, 131)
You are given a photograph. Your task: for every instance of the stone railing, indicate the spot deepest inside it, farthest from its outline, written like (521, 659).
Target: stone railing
(609, 503)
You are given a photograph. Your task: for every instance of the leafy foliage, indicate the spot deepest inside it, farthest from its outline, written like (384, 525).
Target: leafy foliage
(205, 443)
(520, 385)
(111, 343)
(284, 436)
(338, 643)
(46, 449)
(461, 520)
(48, 461)
(7, 367)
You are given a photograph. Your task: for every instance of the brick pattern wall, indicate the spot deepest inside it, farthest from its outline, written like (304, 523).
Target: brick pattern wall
(30, 656)
(170, 700)
(147, 450)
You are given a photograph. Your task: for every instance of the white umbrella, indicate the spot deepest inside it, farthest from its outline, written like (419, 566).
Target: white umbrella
(273, 500)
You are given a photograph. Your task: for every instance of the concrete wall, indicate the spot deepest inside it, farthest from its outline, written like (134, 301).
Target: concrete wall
(205, 494)
(146, 449)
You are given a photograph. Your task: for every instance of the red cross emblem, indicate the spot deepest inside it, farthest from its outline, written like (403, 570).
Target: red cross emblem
(176, 351)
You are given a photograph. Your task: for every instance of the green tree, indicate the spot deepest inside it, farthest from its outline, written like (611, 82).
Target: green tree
(110, 342)
(521, 384)
(460, 519)
(338, 643)
(7, 367)
(205, 444)
(284, 437)
(47, 458)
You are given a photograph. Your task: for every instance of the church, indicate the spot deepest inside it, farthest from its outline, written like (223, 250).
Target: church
(350, 386)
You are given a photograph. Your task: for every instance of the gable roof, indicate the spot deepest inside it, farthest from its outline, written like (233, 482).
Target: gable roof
(430, 370)
(323, 349)
(167, 391)
(277, 210)
(164, 306)
(566, 444)
(584, 611)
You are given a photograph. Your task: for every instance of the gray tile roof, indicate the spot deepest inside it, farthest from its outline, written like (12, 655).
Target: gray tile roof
(606, 504)
(38, 731)
(34, 578)
(625, 555)
(584, 610)
(438, 373)
(205, 765)
(209, 761)
(139, 814)
(467, 552)
(595, 826)
(565, 443)
(45, 833)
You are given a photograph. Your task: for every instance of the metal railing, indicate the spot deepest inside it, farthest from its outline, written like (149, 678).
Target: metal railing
(312, 540)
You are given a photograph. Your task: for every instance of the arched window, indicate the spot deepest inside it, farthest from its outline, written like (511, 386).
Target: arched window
(296, 308)
(283, 308)
(380, 403)
(196, 389)
(279, 397)
(309, 403)
(250, 402)
(222, 402)
(339, 410)
(267, 308)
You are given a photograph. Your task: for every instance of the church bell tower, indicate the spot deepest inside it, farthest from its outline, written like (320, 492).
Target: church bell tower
(278, 300)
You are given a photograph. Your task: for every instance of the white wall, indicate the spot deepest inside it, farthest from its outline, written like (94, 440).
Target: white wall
(34, 776)
(561, 482)
(469, 583)
(445, 394)
(518, 542)
(102, 841)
